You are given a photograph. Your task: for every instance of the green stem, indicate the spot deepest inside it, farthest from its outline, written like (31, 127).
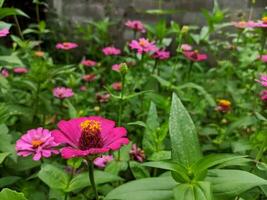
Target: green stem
(263, 43)
(37, 10)
(18, 27)
(92, 178)
(261, 151)
(155, 66)
(190, 69)
(36, 100)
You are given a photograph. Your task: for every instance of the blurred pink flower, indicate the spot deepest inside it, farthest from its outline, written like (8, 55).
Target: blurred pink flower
(20, 70)
(161, 55)
(186, 47)
(137, 153)
(4, 32)
(5, 73)
(263, 80)
(62, 92)
(89, 77)
(244, 24)
(262, 23)
(89, 136)
(66, 45)
(143, 46)
(263, 58)
(83, 88)
(102, 161)
(195, 56)
(38, 142)
(264, 95)
(136, 25)
(117, 86)
(88, 63)
(116, 67)
(102, 97)
(108, 51)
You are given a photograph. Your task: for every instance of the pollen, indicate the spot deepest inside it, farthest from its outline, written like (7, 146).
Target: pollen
(92, 126)
(36, 143)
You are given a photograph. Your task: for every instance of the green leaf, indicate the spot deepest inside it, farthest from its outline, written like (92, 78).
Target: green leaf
(7, 194)
(82, 180)
(138, 170)
(5, 12)
(5, 140)
(196, 191)
(53, 176)
(183, 135)
(160, 155)
(159, 188)
(212, 160)
(8, 180)
(137, 123)
(115, 167)
(233, 182)
(4, 24)
(71, 109)
(3, 156)
(1, 3)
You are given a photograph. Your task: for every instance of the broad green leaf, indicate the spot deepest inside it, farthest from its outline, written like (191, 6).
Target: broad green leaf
(5, 140)
(3, 156)
(196, 191)
(159, 188)
(71, 109)
(160, 155)
(138, 170)
(1, 3)
(185, 146)
(232, 182)
(212, 160)
(5, 12)
(8, 194)
(53, 176)
(82, 180)
(4, 24)
(8, 180)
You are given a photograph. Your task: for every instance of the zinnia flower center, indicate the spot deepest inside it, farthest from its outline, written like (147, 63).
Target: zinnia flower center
(143, 43)
(37, 143)
(65, 44)
(264, 20)
(195, 54)
(91, 137)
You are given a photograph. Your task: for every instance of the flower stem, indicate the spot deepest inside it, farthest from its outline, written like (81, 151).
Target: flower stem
(37, 10)
(92, 178)
(262, 148)
(18, 27)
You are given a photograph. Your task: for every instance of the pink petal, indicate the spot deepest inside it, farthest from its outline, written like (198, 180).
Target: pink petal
(118, 143)
(115, 134)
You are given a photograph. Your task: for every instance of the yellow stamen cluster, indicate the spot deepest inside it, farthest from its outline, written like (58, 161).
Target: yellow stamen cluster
(264, 20)
(91, 125)
(143, 42)
(36, 143)
(224, 103)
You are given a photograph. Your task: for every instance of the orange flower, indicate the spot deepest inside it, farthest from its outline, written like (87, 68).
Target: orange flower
(39, 53)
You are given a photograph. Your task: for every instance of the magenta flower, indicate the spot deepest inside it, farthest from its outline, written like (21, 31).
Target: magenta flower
(136, 25)
(137, 153)
(20, 70)
(186, 47)
(116, 67)
(109, 51)
(264, 95)
(263, 80)
(161, 55)
(89, 77)
(62, 92)
(102, 97)
(66, 45)
(88, 63)
(83, 88)
(117, 86)
(244, 24)
(38, 142)
(102, 161)
(4, 32)
(89, 136)
(143, 46)
(195, 56)
(5, 73)
(263, 58)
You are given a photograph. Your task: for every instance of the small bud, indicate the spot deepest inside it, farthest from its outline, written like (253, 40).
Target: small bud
(185, 29)
(123, 68)
(96, 108)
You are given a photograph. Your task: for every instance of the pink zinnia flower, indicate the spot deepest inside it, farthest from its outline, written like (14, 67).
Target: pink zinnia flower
(108, 51)
(20, 70)
(116, 67)
(263, 80)
(102, 97)
(117, 86)
(89, 136)
(66, 45)
(88, 63)
(195, 56)
(263, 58)
(5, 73)
(4, 32)
(136, 25)
(102, 161)
(161, 55)
(224, 105)
(186, 47)
(89, 77)
(143, 46)
(264, 95)
(83, 88)
(137, 153)
(244, 24)
(38, 142)
(62, 92)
